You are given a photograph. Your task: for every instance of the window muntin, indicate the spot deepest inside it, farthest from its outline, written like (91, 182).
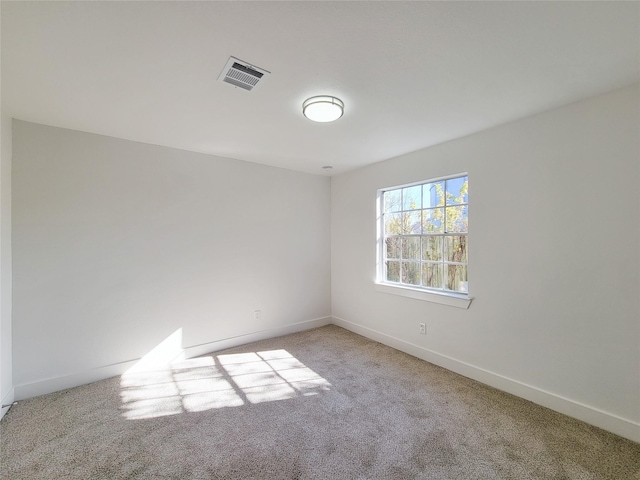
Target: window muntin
(425, 235)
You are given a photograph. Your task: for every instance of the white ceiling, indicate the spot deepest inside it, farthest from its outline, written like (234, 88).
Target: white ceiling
(411, 74)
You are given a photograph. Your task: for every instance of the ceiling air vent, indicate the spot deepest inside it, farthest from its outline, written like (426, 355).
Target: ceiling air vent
(242, 74)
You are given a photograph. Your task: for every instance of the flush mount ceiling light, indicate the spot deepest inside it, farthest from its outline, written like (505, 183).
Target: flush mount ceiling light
(323, 108)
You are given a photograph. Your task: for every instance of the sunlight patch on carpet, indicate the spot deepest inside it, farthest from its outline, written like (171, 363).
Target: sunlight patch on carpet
(165, 383)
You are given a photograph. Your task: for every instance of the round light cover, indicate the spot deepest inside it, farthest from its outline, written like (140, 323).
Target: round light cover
(323, 108)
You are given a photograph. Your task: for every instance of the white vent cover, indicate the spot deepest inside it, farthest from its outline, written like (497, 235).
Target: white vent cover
(242, 74)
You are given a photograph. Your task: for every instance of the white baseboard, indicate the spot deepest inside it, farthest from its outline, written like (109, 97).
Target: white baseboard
(8, 399)
(55, 384)
(607, 421)
(217, 345)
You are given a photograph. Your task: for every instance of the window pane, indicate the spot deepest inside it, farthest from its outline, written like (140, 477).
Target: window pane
(392, 201)
(432, 275)
(433, 194)
(456, 248)
(432, 248)
(411, 222)
(392, 247)
(457, 190)
(411, 273)
(393, 224)
(392, 273)
(426, 235)
(457, 278)
(433, 220)
(411, 248)
(458, 219)
(411, 197)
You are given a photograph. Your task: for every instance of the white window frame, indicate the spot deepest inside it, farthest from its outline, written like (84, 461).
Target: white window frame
(441, 296)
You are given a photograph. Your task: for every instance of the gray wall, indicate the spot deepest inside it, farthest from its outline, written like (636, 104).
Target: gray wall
(6, 358)
(554, 230)
(119, 244)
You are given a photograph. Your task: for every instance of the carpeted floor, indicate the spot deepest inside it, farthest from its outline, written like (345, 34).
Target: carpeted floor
(321, 404)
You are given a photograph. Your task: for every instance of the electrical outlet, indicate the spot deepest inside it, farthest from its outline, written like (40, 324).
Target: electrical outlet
(257, 315)
(423, 328)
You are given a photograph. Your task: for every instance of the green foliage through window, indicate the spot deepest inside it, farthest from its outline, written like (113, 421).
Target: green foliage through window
(425, 230)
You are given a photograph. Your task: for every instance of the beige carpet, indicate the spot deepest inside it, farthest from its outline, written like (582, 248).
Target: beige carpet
(321, 404)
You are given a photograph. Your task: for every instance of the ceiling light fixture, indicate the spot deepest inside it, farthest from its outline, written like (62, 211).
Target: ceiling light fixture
(323, 108)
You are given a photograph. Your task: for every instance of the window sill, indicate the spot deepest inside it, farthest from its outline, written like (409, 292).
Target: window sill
(451, 299)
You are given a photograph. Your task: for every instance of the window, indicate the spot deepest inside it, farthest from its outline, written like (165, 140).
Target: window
(424, 241)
